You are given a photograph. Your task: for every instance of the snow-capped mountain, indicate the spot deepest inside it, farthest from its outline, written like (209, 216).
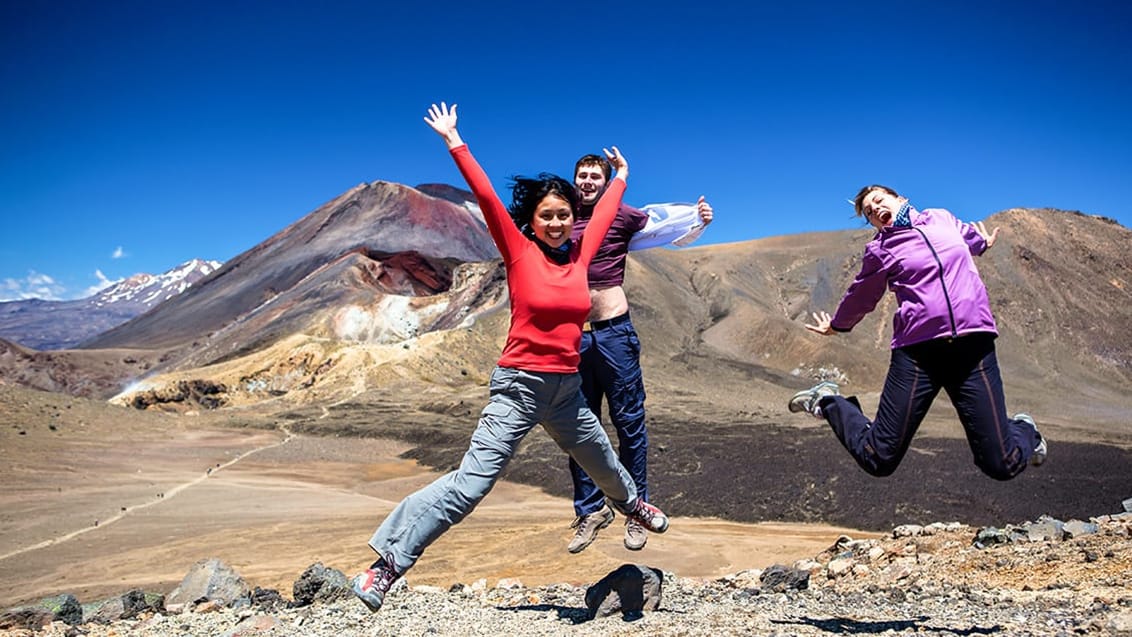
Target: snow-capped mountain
(148, 290)
(49, 325)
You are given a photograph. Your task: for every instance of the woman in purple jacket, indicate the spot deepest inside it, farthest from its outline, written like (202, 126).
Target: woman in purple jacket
(943, 338)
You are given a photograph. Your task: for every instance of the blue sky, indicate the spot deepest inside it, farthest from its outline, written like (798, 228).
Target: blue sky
(137, 134)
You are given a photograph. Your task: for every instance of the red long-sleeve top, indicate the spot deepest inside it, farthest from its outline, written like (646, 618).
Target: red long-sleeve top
(549, 302)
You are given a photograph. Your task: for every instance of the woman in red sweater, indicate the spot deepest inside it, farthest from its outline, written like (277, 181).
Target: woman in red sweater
(536, 379)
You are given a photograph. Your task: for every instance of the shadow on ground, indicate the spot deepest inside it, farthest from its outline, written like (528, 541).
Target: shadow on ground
(763, 471)
(844, 626)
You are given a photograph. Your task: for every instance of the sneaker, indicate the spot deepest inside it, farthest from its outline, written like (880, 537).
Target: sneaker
(807, 400)
(372, 585)
(649, 517)
(588, 525)
(635, 535)
(1039, 455)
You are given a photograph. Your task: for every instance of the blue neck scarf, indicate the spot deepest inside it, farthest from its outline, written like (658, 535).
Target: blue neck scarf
(903, 219)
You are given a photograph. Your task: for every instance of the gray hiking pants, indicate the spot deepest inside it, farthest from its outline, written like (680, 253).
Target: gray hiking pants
(519, 401)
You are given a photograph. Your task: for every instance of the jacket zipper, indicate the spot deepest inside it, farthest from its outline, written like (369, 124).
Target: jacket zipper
(942, 283)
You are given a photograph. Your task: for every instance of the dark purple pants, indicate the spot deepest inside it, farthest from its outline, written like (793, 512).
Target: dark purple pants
(967, 369)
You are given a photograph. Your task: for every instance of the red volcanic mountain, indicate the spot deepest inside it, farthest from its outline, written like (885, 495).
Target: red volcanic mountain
(376, 239)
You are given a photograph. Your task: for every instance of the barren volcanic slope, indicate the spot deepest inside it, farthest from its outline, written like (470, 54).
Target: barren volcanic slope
(369, 225)
(722, 323)
(377, 316)
(87, 373)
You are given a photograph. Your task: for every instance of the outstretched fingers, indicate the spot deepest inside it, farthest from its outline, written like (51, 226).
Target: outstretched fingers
(822, 322)
(441, 118)
(989, 237)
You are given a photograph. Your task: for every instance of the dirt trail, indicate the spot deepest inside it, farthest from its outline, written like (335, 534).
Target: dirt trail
(270, 507)
(129, 510)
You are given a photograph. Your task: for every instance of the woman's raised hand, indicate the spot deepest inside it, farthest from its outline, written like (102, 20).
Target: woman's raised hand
(443, 121)
(618, 161)
(989, 237)
(823, 327)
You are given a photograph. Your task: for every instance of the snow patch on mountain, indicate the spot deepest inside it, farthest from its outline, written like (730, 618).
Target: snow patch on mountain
(148, 290)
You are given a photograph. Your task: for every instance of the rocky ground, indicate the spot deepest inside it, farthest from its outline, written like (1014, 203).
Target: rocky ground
(1039, 581)
(1045, 577)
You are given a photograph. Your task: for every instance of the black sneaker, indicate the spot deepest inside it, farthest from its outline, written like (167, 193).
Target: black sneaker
(372, 584)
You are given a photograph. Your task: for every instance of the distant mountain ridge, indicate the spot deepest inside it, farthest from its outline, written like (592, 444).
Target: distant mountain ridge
(54, 325)
(721, 324)
(398, 293)
(147, 290)
(325, 274)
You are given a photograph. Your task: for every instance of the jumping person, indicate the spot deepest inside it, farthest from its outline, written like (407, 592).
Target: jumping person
(611, 352)
(536, 379)
(943, 338)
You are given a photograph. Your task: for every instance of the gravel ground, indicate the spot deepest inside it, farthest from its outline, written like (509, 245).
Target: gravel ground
(919, 580)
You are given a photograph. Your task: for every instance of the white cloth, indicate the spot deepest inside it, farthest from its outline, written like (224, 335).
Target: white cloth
(676, 224)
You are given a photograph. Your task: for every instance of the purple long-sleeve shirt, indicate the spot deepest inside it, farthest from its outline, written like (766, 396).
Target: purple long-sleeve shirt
(930, 266)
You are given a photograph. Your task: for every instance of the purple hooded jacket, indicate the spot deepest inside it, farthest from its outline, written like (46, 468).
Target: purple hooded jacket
(930, 266)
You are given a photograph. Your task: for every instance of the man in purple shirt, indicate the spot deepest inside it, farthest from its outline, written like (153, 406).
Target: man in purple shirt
(610, 352)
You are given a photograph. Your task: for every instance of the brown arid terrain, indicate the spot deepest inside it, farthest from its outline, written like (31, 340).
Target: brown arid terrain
(272, 414)
(99, 499)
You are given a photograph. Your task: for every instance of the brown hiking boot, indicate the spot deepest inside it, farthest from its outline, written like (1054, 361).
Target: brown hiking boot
(588, 526)
(635, 535)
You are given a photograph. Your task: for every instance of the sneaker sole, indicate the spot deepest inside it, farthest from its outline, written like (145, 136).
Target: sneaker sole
(636, 547)
(606, 522)
(797, 401)
(1038, 458)
(797, 404)
(362, 599)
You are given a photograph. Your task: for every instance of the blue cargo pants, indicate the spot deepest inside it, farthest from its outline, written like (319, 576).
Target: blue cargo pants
(611, 368)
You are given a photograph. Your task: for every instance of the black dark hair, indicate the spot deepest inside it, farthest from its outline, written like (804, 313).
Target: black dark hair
(528, 192)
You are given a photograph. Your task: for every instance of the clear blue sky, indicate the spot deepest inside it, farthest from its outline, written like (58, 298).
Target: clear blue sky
(137, 134)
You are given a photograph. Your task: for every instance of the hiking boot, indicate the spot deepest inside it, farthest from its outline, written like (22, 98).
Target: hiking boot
(588, 525)
(807, 400)
(372, 585)
(1039, 455)
(648, 516)
(635, 535)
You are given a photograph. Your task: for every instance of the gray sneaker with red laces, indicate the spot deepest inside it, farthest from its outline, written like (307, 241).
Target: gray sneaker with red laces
(648, 516)
(373, 583)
